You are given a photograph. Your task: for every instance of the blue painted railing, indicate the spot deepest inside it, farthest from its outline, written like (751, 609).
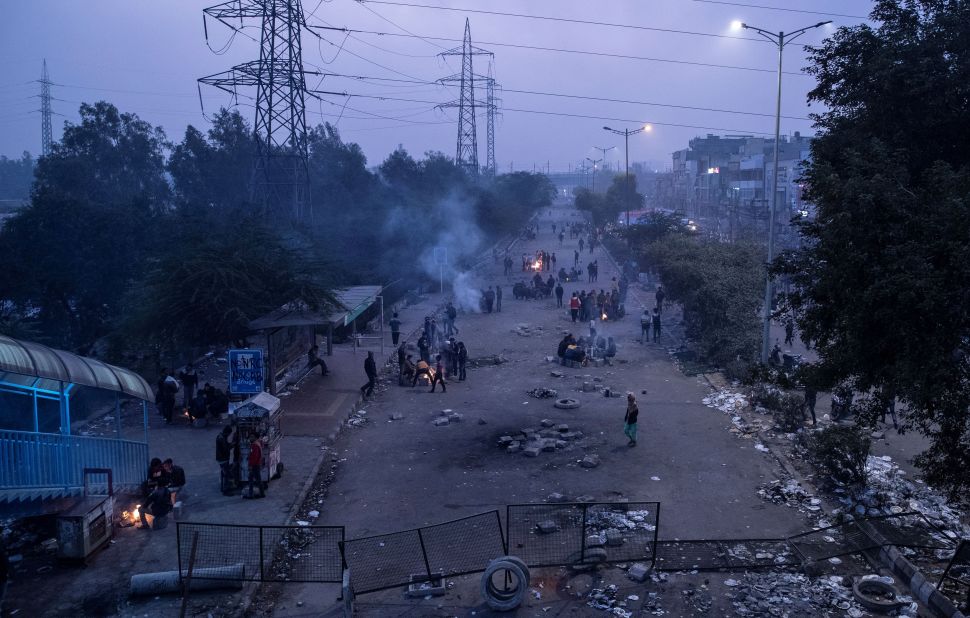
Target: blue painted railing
(35, 460)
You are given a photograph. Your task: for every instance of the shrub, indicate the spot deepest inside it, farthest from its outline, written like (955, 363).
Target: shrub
(839, 454)
(790, 413)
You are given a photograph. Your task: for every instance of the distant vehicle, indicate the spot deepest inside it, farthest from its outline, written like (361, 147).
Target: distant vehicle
(690, 226)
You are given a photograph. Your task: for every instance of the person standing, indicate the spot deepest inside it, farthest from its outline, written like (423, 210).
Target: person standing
(255, 464)
(370, 368)
(811, 396)
(581, 243)
(439, 375)
(630, 419)
(559, 293)
(424, 348)
(498, 298)
(646, 321)
(656, 324)
(190, 381)
(395, 328)
(313, 360)
(452, 314)
(574, 306)
(224, 444)
(660, 296)
(462, 361)
(575, 258)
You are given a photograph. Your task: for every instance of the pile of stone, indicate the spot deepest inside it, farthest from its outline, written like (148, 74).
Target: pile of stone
(446, 417)
(357, 418)
(530, 442)
(795, 594)
(601, 522)
(604, 599)
(527, 330)
(543, 393)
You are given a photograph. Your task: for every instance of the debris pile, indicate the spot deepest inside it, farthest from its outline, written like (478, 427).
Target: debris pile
(531, 441)
(794, 594)
(446, 417)
(604, 599)
(358, 418)
(527, 330)
(543, 393)
(790, 493)
(487, 361)
(600, 522)
(727, 402)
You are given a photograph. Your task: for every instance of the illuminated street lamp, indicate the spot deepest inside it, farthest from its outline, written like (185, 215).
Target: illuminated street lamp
(780, 40)
(626, 133)
(594, 162)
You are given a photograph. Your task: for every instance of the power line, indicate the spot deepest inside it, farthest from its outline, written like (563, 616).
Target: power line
(588, 98)
(568, 51)
(778, 8)
(562, 19)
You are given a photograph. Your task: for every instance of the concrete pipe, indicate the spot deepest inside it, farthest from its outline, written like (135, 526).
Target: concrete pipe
(504, 599)
(162, 582)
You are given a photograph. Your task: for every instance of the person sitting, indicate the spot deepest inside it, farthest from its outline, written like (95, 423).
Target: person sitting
(158, 505)
(176, 478)
(566, 341)
(198, 407)
(422, 369)
(575, 354)
(610, 352)
(155, 476)
(217, 403)
(563, 277)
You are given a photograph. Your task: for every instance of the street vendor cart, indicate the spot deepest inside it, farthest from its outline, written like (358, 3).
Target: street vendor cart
(261, 414)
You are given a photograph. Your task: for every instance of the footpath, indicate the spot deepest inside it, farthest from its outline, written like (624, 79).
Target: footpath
(313, 412)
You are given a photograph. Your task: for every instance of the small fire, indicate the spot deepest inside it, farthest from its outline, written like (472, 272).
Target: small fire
(537, 266)
(603, 317)
(132, 517)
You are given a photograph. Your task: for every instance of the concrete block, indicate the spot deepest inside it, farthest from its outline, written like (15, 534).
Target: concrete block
(547, 527)
(556, 497)
(614, 538)
(562, 427)
(514, 447)
(578, 435)
(531, 451)
(638, 572)
(454, 417)
(588, 387)
(548, 445)
(546, 423)
(549, 433)
(561, 444)
(590, 461)
(441, 421)
(505, 440)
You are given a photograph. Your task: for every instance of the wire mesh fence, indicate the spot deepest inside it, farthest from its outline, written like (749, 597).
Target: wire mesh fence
(583, 532)
(264, 553)
(457, 547)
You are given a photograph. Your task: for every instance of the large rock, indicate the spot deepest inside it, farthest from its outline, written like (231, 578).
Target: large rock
(590, 461)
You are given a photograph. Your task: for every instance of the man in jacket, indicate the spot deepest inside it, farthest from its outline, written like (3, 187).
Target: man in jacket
(255, 463)
(224, 444)
(370, 368)
(630, 419)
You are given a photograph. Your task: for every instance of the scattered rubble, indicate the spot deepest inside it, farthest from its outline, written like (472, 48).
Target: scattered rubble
(543, 393)
(605, 599)
(796, 594)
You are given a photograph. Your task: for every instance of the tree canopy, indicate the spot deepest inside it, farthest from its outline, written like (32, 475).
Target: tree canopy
(882, 279)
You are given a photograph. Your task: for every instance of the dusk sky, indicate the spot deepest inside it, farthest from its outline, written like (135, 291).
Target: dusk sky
(145, 58)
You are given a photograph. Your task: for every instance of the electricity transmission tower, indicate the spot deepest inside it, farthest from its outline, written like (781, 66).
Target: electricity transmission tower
(45, 112)
(280, 184)
(466, 150)
(491, 107)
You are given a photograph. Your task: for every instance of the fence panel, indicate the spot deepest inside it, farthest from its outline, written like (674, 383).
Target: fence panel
(546, 534)
(627, 531)
(464, 545)
(267, 553)
(384, 561)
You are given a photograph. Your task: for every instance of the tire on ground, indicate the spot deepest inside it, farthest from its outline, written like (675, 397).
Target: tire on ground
(566, 403)
(500, 600)
(522, 565)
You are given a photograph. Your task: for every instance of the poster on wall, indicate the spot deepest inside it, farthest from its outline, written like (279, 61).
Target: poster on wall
(246, 372)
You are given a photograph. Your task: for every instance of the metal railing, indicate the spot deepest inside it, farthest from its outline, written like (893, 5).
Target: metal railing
(40, 460)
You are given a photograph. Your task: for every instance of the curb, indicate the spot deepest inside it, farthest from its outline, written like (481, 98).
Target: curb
(919, 586)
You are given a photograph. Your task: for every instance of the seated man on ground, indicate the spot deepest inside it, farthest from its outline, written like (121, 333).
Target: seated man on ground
(158, 505)
(176, 478)
(422, 369)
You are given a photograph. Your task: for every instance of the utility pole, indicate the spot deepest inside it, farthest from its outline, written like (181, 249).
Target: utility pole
(780, 40)
(45, 112)
(466, 148)
(594, 162)
(603, 152)
(626, 133)
(281, 178)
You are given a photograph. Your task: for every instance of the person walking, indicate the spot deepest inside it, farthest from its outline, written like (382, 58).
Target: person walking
(489, 299)
(462, 361)
(224, 445)
(575, 258)
(370, 368)
(660, 296)
(630, 419)
(395, 328)
(811, 396)
(656, 324)
(424, 348)
(313, 360)
(574, 306)
(559, 293)
(439, 375)
(789, 331)
(255, 463)
(646, 321)
(498, 299)
(452, 315)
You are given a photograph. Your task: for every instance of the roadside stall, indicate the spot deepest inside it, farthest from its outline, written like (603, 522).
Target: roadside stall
(260, 414)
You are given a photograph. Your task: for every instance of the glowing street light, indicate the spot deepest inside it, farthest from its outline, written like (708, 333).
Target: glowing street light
(626, 133)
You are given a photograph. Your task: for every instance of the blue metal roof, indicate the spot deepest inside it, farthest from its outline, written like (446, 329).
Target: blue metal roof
(47, 368)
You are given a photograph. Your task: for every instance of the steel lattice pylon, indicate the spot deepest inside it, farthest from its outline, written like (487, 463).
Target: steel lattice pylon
(280, 182)
(491, 108)
(45, 112)
(466, 151)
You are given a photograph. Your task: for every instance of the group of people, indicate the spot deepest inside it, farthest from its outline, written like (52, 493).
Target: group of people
(543, 261)
(585, 306)
(582, 349)
(491, 300)
(161, 488)
(229, 456)
(208, 401)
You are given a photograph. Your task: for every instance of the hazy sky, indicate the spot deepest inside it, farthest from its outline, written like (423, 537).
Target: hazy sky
(145, 58)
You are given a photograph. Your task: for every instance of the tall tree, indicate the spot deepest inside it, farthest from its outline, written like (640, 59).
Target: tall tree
(883, 277)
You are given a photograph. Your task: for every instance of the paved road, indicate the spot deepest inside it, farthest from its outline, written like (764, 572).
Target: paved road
(408, 473)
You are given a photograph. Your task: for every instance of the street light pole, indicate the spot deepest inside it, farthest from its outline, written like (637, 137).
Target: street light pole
(626, 133)
(594, 162)
(780, 40)
(603, 152)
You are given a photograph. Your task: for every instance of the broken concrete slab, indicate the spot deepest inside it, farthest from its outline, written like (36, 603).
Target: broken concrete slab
(547, 526)
(638, 572)
(531, 451)
(614, 538)
(441, 421)
(590, 461)
(546, 423)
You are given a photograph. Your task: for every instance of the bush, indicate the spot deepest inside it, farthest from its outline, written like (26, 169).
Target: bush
(790, 414)
(767, 396)
(739, 370)
(839, 454)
